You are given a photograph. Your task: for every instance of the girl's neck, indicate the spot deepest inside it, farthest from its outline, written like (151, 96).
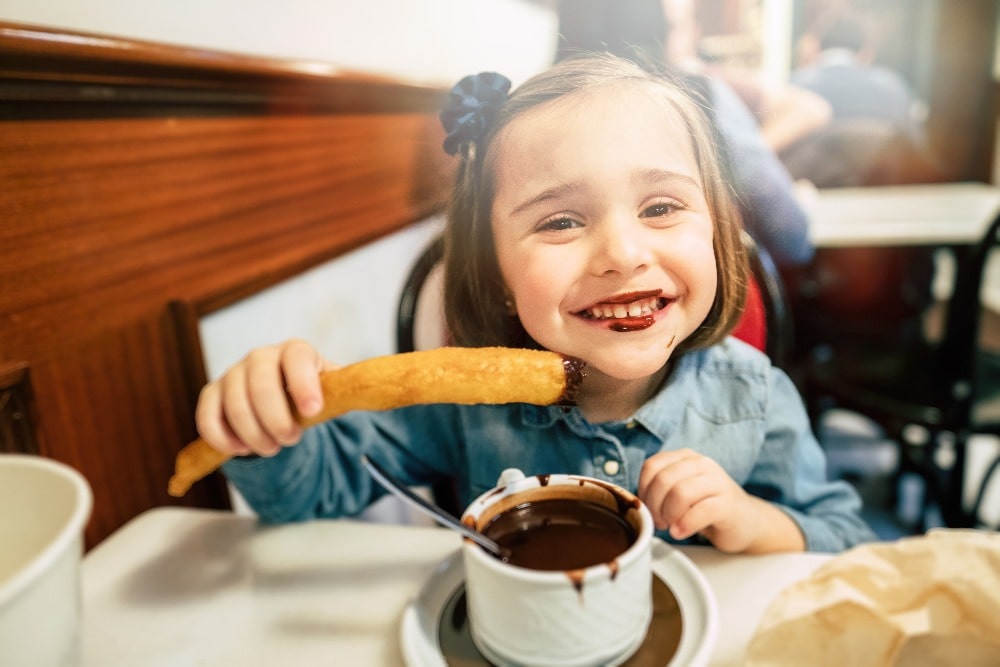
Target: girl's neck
(603, 398)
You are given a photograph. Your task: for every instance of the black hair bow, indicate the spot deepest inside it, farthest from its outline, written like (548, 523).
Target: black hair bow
(472, 106)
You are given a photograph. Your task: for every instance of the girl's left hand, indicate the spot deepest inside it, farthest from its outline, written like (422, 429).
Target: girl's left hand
(690, 493)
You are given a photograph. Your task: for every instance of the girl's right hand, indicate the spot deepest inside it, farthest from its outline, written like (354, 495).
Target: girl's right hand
(247, 410)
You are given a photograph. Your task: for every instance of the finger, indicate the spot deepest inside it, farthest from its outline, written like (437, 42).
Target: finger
(240, 415)
(269, 402)
(652, 466)
(210, 421)
(301, 364)
(693, 506)
(667, 492)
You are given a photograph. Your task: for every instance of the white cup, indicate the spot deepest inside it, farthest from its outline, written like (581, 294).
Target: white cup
(597, 615)
(44, 506)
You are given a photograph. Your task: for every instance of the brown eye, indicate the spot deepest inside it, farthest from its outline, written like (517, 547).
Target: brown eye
(658, 210)
(558, 224)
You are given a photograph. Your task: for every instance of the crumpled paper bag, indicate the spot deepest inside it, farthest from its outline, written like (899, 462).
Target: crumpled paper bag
(929, 600)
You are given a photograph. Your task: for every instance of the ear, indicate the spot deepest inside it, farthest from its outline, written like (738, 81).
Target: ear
(508, 302)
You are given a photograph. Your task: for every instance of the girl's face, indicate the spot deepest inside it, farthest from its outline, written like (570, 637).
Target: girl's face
(602, 230)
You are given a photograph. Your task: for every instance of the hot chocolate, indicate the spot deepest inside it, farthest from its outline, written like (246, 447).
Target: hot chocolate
(561, 534)
(575, 586)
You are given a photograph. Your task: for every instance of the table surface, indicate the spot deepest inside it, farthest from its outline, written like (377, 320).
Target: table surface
(935, 214)
(179, 586)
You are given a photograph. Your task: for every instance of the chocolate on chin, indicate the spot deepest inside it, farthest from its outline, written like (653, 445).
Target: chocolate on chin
(463, 375)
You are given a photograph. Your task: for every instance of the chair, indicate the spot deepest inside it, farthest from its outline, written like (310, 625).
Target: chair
(766, 308)
(923, 394)
(874, 295)
(420, 322)
(420, 314)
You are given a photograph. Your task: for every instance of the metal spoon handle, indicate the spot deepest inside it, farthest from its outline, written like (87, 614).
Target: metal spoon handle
(444, 518)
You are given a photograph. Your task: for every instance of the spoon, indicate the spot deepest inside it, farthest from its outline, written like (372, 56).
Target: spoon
(392, 484)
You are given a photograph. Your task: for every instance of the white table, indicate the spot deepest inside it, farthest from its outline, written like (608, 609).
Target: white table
(939, 214)
(201, 587)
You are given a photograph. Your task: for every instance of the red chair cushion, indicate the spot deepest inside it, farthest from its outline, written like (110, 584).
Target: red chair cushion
(752, 326)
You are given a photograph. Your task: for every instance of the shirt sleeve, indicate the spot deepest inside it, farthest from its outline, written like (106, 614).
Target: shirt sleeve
(322, 475)
(791, 472)
(762, 184)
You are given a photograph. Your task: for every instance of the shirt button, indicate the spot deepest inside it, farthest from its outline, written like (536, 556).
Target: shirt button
(611, 467)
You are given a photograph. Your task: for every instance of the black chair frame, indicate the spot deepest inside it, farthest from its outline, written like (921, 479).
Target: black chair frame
(945, 413)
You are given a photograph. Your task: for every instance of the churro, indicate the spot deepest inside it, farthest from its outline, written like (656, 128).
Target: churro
(463, 375)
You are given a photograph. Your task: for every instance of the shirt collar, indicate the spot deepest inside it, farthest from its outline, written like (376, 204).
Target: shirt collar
(660, 415)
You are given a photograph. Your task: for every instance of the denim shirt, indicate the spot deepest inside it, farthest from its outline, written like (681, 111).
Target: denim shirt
(726, 402)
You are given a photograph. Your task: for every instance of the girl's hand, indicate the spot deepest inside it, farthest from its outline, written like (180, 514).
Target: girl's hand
(247, 410)
(690, 493)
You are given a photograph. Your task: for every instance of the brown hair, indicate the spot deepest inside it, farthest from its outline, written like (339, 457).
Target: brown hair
(474, 289)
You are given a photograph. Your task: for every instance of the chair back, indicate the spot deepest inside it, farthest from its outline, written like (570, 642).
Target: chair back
(766, 322)
(420, 321)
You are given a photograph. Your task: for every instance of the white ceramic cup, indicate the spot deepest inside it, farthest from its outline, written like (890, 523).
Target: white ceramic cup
(595, 616)
(44, 506)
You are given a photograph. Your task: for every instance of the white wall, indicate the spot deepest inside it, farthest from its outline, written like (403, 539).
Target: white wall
(435, 41)
(346, 308)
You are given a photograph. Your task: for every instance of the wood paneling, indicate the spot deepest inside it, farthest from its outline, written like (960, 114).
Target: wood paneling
(187, 178)
(17, 433)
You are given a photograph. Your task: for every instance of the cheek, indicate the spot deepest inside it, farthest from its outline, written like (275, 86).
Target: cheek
(695, 264)
(535, 284)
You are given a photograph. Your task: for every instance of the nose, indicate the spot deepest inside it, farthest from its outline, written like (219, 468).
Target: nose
(621, 246)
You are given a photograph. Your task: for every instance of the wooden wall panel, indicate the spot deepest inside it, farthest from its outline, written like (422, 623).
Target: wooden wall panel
(99, 215)
(192, 181)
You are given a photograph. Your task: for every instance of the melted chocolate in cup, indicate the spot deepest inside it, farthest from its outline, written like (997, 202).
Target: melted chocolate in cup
(575, 585)
(561, 534)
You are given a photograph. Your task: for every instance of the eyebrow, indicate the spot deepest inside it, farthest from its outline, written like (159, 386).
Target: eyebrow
(649, 176)
(547, 194)
(655, 175)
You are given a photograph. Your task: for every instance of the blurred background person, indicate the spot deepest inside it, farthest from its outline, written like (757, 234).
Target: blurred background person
(843, 71)
(877, 135)
(639, 30)
(785, 112)
(855, 297)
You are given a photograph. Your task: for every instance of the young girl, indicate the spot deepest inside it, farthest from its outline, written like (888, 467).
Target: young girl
(589, 219)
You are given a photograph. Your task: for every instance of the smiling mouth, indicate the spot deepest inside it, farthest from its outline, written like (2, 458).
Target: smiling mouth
(624, 315)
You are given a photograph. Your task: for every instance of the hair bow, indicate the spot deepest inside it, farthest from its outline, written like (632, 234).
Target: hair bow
(472, 106)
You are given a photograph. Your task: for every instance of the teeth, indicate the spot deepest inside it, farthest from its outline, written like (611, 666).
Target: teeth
(638, 308)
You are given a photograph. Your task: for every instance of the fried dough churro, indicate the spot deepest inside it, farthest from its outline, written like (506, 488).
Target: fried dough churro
(463, 375)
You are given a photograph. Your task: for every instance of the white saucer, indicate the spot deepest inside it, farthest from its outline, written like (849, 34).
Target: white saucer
(421, 621)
